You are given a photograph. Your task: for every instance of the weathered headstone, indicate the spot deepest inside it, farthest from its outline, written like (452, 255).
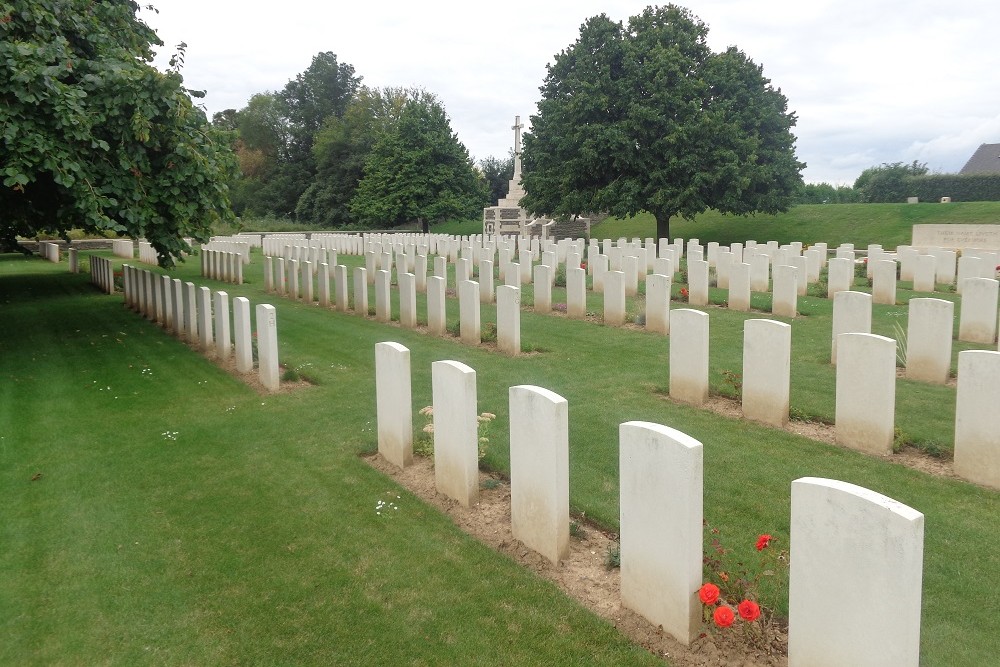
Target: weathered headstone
(242, 334)
(661, 473)
(223, 344)
(658, 303)
(436, 313)
(394, 403)
(928, 340)
(698, 282)
(539, 470)
(977, 419)
(767, 347)
(739, 288)
(855, 579)
(978, 318)
(852, 313)
(361, 291)
(614, 298)
(468, 312)
(785, 299)
(884, 282)
(689, 355)
(866, 392)
(576, 292)
(267, 346)
(543, 289)
(408, 300)
(509, 319)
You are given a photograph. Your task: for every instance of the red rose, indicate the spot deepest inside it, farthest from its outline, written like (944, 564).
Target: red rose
(763, 541)
(709, 594)
(724, 616)
(749, 611)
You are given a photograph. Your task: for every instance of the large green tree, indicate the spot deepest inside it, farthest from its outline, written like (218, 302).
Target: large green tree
(646, 117)
(93, 136)
(497, 173)
(888, 182)
(278, 131)
(341, 149)
(418, 171)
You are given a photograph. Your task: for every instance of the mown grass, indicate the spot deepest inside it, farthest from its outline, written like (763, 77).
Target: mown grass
(861, 224)
(255, 507)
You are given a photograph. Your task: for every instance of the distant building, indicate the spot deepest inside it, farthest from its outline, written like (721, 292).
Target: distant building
(986, 160)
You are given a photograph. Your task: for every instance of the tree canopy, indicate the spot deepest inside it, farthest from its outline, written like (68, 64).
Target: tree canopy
(645, 117)
(418, 171)
(95, 137)
(887, 183)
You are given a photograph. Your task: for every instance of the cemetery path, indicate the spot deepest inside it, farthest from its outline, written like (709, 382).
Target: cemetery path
(583, 575)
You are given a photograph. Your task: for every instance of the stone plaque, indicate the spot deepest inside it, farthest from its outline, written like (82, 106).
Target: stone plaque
(957, 236)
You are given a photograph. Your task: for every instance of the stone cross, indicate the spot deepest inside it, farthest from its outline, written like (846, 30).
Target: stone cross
(518, 125)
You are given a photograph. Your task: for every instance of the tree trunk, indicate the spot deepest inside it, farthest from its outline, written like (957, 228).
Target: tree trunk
(662, 226)
(424, 226)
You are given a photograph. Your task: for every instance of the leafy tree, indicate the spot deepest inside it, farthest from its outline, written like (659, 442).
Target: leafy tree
(279, 129)
(322, 91)
(95, 137)
(418, 171)
(341, 149)
(497, 173)
(825, 193)
(647, 118)
(887, 182)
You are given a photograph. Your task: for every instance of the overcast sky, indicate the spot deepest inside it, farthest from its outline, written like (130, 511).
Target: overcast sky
(870, 81)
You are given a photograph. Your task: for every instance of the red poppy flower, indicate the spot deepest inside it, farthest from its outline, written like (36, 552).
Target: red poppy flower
(749, 610)
(724, 616)
(763, 541)
(709, 594)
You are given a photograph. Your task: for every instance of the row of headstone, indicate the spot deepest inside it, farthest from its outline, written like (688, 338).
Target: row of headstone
(49, 251)
(147, 253)
(831, 609)
(865, 380)
(928, 344)
(203, 319)
(229, 245)
(102, 274)
(222, 265)
(123, 248)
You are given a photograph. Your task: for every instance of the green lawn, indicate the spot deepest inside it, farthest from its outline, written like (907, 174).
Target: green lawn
(252, 537)
(887, 224)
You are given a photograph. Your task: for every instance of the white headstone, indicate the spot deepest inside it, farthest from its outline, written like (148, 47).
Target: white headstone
(661, 473)
(242, 334)
(855, 580)
(866, 392)
(509, 319)
(267, 346)
(767, 347)
(658, 303)
(852, 313)
(928, 340)
(456, 431)
(978, 318)
(468, 312)
(739, 288)
(689, 355)
(977, 419)
(614, 298)
(394, 403)
(539, 470)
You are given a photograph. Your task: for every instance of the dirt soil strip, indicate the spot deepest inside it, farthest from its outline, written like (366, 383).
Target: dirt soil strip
(582, 575)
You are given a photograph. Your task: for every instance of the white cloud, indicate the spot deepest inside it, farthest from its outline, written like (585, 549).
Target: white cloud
(870, 81)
